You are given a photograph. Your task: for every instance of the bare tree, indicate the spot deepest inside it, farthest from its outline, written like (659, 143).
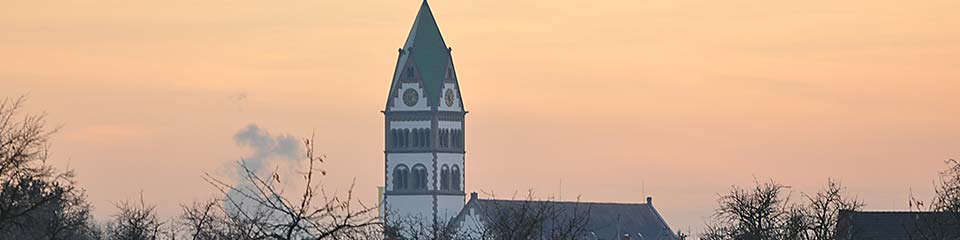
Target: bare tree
(65, 215)
(135, 221)
(258, 208)
(941, 218)
(23, 154)
(823, 210)
(36, 200)
(209, 220)
(765, 212)
(399, 227)
(532, 218)
(201, 221)
(758, 213)
(947, 194)
(526, 218)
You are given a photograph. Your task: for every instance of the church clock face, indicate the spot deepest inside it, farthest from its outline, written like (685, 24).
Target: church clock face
(410, 97)
(448, 97)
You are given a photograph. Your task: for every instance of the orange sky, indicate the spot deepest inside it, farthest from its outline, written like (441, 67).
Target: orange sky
(686, 96)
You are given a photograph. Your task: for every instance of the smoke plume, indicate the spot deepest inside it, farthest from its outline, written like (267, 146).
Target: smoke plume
(266, 147)
(266, 151)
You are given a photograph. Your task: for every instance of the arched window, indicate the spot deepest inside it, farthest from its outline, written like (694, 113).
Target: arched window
(400, 174)
(445, 138)
(419, 177)
(417, 139)
(444, 177)
(423, 138)
(455, 183)
(392, 138)
(426, 137)
(455, 139)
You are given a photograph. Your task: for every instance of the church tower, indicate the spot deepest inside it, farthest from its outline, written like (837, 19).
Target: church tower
(424, 129)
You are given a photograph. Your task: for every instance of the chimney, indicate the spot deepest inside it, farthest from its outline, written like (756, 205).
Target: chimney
(649, 200)
(473, 195)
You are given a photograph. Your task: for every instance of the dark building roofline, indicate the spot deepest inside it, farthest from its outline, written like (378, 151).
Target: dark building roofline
(897, 225)
(606, 218)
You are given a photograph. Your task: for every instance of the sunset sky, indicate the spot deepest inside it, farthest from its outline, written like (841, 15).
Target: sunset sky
(677, 98)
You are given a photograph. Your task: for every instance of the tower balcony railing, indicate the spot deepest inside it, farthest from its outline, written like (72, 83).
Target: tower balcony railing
(424, 192)
(392, 149)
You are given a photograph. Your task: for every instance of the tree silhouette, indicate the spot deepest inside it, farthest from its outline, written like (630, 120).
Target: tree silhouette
(36, 201)
(766, 212)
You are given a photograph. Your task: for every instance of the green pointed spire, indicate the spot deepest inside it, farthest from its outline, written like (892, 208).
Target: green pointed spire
(430, 54)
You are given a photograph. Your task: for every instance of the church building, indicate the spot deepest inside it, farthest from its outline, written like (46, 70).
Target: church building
(424, 127)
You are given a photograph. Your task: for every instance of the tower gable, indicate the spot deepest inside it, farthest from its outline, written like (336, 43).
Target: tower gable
(426, 52)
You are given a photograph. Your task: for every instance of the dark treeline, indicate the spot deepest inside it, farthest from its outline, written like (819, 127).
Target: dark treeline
(766, 211)
(38, 201)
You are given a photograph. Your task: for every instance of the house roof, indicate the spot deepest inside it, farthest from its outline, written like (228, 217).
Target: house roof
(606, 220)
(897, 225)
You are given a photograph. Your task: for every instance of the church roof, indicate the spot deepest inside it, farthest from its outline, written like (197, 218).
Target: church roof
(429, 52)
(606, 220)
(897, 225)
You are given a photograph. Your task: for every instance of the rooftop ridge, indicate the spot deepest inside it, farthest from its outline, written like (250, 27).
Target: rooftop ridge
(562, 201)
(890, 211)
